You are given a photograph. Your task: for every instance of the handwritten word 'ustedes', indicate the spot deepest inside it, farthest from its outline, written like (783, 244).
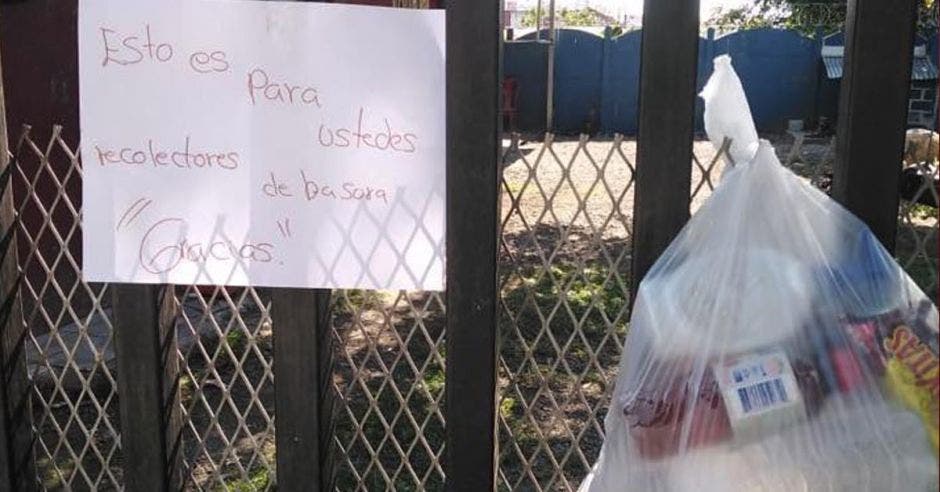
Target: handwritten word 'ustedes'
(131, 49)
(162, 249)
(183, 158)
(261, 87)
(384, 139)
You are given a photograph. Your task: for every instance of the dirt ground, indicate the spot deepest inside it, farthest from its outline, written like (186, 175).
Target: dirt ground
(582, 183)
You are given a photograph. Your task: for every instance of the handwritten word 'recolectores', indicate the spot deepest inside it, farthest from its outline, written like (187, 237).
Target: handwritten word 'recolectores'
(154, 155)
(383, 139)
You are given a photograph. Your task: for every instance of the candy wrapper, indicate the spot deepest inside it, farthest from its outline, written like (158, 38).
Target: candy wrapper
(774, 346)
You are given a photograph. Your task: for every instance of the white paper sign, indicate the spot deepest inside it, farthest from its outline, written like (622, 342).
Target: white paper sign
(262, 143)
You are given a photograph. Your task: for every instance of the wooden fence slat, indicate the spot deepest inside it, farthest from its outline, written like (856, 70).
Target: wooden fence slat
(668, 64)
(473, 173)
(873, 103)
(16, 466)
(303, 395)
(172, 410)
(144, 343)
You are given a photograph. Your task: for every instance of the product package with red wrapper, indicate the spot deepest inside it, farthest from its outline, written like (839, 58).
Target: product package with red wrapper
(774, 346)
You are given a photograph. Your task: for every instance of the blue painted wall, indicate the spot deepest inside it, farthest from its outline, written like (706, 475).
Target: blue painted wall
(578, 71)
(779, 70)
(620, 84)
(597, 78)
(527, 63)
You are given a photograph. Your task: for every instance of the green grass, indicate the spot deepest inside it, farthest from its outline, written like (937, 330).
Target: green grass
(354, 301)
(583, 307)
(591, 299)
(921, 211)
(260, 479)
(385, 423)
(55, 477)
(237, 340)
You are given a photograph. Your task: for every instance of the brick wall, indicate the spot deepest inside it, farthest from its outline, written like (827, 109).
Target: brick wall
(923, 104)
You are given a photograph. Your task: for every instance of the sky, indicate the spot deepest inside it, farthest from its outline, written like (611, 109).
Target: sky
(633, 8)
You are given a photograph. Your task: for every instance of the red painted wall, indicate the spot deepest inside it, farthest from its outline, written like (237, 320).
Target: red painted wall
(38, 40)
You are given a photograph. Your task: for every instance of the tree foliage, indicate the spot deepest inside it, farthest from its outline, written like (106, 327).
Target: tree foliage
(804, 15)
(564, 17)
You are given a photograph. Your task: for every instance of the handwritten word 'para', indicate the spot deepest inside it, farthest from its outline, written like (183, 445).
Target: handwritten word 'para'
(383, 139)
(156, 156)
(164, 247)
(261, 87)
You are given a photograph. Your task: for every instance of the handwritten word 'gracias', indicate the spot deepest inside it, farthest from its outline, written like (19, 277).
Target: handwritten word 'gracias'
(165, 246)
(358, 137)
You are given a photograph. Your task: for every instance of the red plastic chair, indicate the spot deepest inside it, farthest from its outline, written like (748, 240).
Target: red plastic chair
(510, 97)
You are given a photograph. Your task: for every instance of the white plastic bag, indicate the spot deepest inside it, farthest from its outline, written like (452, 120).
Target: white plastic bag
(774, 346)
(727, 114)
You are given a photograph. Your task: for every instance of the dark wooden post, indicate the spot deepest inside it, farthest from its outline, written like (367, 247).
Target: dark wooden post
(879, 43)
(668, 61)
(144, 343)
(303, 395)
(303, 386)
(16, 466)
(473, 147)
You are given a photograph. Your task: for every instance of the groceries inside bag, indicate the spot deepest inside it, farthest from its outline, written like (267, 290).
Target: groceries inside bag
(774, 346)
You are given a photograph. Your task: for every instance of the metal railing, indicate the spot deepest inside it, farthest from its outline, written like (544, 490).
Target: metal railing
(389, 426)
(565, 256)
(565, 281)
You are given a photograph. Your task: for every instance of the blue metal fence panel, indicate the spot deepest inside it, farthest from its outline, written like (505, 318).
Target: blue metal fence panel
(597, 78)
(526, 62)
(578, 69)
(621, 84)
(779, 70)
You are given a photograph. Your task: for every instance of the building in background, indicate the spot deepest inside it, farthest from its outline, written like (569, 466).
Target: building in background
(922, 106)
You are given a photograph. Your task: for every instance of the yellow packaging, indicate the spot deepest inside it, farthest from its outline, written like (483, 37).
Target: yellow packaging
(913, 375)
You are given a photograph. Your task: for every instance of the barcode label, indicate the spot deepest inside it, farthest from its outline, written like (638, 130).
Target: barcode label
(759, 396)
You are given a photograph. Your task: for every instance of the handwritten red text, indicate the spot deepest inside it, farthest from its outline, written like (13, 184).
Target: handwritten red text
(164, 247)
(384, 138)
(262, 88)
(124, 49)
(156, 156)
